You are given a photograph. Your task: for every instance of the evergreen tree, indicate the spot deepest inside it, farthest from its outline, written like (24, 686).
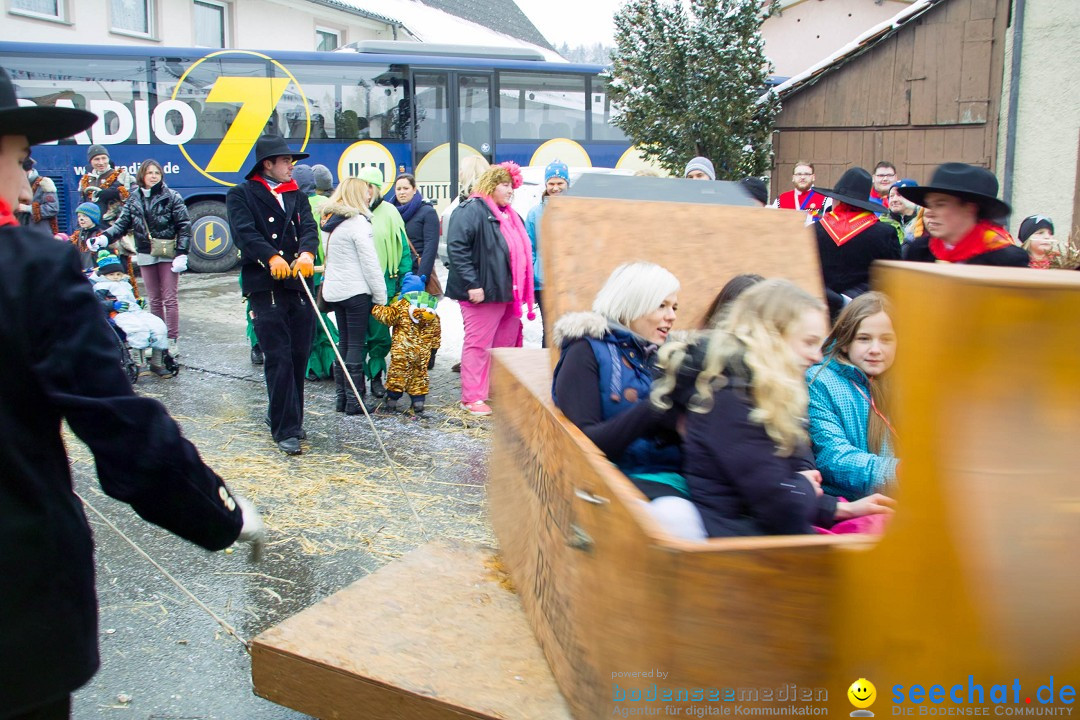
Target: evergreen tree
(690, 77)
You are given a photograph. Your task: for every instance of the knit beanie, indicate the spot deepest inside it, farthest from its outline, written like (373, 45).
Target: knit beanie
(90, 210)
(412, 283)
(703, 164)
(557, 169)
(755, 188)
(305, 178)
(94, 150)
(1033, 223)
(324, 179)
(108, 263)
(372, 176)
(906, 182)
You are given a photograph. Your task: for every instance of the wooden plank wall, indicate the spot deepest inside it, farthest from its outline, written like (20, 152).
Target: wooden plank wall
(929, 94)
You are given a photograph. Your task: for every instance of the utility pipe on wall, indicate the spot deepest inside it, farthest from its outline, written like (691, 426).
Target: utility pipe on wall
(1014, 99)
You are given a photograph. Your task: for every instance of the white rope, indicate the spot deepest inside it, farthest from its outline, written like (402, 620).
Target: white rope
(375, 430)
(228, 628)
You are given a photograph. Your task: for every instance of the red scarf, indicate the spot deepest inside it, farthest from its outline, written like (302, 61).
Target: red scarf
(6, 216)
(844, 222)
(284, 187)
(984, 237)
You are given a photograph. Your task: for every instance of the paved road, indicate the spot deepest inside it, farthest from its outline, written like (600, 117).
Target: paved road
(334, 515)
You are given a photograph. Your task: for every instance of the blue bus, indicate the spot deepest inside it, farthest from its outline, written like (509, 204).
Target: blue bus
(399, 106)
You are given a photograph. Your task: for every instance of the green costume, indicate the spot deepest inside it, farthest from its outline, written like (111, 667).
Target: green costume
(321, 360)
(392, 246)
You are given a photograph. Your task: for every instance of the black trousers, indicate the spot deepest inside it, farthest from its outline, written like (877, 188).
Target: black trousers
(285, 325)
(352, 320)
(58, 710)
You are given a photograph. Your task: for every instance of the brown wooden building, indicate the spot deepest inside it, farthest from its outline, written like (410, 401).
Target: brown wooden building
(921, 90)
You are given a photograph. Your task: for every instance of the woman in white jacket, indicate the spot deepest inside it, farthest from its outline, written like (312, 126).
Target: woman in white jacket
(352, 281)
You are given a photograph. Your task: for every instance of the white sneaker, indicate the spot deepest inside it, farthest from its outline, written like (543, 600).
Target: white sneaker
(174, 348)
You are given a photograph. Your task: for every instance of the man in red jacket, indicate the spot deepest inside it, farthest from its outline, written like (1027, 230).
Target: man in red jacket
(803, 197)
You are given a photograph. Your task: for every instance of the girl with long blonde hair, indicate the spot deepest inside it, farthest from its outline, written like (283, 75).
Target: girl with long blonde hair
(353, 281)
(745, 447)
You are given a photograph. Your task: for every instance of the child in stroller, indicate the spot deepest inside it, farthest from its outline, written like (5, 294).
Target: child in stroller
(139, 329)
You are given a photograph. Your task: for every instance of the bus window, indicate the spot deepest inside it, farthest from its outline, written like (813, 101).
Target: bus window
(354, 102)
(213, 118)
(534, 106)
(105, 86)
(602, 110)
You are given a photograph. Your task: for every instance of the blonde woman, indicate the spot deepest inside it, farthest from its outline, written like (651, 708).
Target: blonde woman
(469, 171)
(352, 282)
(745, 447)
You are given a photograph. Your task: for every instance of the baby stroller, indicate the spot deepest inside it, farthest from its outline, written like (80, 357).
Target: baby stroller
(132, 360)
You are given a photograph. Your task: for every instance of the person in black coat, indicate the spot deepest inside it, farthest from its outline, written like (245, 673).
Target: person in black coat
(745, 451)
(850, 237)
(60, 361)
(271, 223)
(961, 219)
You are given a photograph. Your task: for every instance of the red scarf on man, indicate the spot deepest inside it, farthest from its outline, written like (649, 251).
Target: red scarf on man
(844, 222)
(281, 188)
(984, 237)
(6, 216)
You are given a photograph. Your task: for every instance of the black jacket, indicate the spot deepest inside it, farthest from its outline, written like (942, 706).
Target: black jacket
(163, 215)
(423, 231)
(261, 229)
(738, 483)
(846, 268)
(61, 362)
(918, 250)
(478, 253)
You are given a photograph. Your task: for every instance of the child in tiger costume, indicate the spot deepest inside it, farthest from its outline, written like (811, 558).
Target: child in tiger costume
(416, 332)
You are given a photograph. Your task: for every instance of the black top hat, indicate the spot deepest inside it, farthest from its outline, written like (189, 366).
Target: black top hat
(40, 124)
(854, 189)
(968, 182)
(271, 146)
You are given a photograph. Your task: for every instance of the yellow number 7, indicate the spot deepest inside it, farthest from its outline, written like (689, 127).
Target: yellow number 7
(257, 97)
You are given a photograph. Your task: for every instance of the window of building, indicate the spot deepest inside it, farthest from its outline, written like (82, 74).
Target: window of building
(536, 106)
(134, 17)
(326, 39)
(50, 9)
(209, 28)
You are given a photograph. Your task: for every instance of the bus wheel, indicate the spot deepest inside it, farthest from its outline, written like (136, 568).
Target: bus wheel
(212, 248)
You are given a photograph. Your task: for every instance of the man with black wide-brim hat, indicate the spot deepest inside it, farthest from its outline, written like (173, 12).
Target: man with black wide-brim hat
(851, 237)
(272, 225)
(961, 216)
(60, 362)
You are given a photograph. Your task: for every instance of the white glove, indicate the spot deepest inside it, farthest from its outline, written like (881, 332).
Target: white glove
(24, 208)
(97, 243)
(253, 531)
(179, 263)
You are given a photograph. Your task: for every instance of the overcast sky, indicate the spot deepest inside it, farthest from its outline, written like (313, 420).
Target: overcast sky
(576, 22)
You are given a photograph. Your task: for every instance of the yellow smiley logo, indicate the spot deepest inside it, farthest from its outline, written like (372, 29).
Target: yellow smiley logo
(862, 693)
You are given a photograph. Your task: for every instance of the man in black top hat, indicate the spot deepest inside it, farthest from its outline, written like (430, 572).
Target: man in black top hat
(850, 238)
(272, 225)
(60, 362)
(961, 217)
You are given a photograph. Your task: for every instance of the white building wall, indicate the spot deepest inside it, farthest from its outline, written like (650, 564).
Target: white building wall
(1048, 114)
(257, 24)
(805, 32)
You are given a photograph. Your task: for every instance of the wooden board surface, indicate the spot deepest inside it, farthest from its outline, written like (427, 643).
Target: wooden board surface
(435, 635)
(584, 239)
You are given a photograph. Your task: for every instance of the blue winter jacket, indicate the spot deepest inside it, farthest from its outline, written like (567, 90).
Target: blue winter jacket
(838, 417)
(532, 226)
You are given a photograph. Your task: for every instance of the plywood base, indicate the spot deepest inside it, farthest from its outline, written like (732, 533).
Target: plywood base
(434, 636)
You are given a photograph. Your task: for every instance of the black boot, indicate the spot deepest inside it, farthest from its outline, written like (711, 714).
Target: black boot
(352, 405)
(377, 388)
(341, 389)
(431, 362)
(256, 355)
(418, 404)
(390, 404)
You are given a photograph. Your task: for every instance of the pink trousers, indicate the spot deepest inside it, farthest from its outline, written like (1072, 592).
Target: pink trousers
(487, 326)
(160, 283)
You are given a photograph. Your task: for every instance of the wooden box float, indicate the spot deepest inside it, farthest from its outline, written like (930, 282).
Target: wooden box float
(972, 578)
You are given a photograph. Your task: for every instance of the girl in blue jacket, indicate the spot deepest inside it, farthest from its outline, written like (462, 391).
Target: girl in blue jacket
(850, 430)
